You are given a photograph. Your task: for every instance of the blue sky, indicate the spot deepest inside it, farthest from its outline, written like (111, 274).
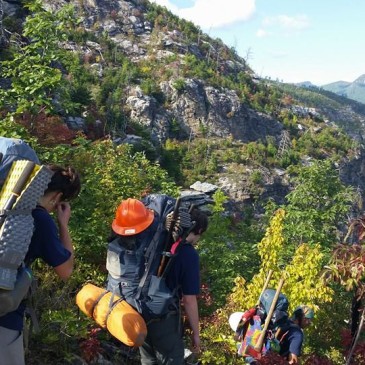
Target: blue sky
(321, 41)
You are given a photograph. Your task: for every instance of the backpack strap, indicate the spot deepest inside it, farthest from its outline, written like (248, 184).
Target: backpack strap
(7, 212)
(172, 256)
(149, 255)
(112, 304)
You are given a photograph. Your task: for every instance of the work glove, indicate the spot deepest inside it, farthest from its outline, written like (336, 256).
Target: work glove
(182, 223)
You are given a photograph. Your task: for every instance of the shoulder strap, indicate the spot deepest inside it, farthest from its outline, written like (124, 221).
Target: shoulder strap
(149, 255)
(172, 256)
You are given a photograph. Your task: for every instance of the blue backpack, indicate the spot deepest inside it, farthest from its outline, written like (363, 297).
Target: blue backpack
(133, 265)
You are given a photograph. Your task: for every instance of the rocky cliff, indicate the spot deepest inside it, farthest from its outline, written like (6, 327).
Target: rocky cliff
(189, 107)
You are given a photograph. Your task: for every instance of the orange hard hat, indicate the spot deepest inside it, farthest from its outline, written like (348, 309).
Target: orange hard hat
(132, 217)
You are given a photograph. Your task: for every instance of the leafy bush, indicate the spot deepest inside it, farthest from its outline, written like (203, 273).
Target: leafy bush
(179, 84)
(32, 69)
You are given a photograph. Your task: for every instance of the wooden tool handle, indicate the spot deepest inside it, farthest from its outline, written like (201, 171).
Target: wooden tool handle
(269, 274)
(260, 341)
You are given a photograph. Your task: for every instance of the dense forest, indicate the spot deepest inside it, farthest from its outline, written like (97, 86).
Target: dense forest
(287, 162)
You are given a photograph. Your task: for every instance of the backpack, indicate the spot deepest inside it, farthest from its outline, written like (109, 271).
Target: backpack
(13, 149)
(22, 182)
(133, 266)
(252, 322)
(280, 315)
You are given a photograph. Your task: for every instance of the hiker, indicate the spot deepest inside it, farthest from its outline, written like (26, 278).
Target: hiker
(292, 341)
(51, 244)
(164, 343)
(288, 332)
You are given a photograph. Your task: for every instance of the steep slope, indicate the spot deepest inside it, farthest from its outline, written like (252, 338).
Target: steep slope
(147, 72)
(334, 108)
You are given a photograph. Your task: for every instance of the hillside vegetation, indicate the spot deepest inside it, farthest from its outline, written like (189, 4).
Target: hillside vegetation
(287, 162)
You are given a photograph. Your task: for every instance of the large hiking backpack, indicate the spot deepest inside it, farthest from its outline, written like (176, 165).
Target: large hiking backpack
(22, 182)
(133, 266)
(250, 326)
(280, 315)
(13, 149)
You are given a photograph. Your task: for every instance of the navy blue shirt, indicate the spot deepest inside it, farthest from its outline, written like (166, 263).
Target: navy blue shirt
(45, 244)
(292, 342)
(185, 272)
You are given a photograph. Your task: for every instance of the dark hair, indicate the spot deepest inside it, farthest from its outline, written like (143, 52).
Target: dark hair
(200, 220)
(298, 313)
(65, 180)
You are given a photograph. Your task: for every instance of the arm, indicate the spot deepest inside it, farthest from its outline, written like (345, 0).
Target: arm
(191, 308)
(64, 270)
(296, 341)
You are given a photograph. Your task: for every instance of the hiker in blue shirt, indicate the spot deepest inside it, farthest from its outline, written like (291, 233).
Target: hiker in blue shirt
(53, 245)
(164, 343)
(292, 341)
(288, 339)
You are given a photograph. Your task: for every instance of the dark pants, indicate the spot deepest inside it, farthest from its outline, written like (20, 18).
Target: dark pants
(11, 347)
(164, 344)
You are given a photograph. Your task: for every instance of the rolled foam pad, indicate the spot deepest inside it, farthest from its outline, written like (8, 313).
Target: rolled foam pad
(121, 319)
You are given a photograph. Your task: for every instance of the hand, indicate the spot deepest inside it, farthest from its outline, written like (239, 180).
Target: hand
(63, 213)
(293, 359)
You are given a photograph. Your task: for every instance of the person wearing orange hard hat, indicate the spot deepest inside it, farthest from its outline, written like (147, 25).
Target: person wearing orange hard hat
(133, 227)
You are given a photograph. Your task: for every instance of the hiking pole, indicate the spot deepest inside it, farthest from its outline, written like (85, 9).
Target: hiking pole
(175, 216)
(255, 351)
(17, 189)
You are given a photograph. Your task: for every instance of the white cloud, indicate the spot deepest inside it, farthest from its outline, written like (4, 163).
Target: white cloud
(213, 13)
(262, 33)
(287, 22)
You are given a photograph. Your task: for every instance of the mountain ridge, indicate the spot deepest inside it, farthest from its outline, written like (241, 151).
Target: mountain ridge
(353, 90)
(154, 73)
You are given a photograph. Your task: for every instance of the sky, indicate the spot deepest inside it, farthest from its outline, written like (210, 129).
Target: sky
(321, 41)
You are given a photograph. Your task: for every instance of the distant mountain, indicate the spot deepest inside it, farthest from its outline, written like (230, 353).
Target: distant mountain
(304, 84)
(352, 90)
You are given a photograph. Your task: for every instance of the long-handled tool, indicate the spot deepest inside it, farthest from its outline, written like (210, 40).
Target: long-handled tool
(181, 239)
(255, 351)
(243, 323)
(266, 284)
(175, 216)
